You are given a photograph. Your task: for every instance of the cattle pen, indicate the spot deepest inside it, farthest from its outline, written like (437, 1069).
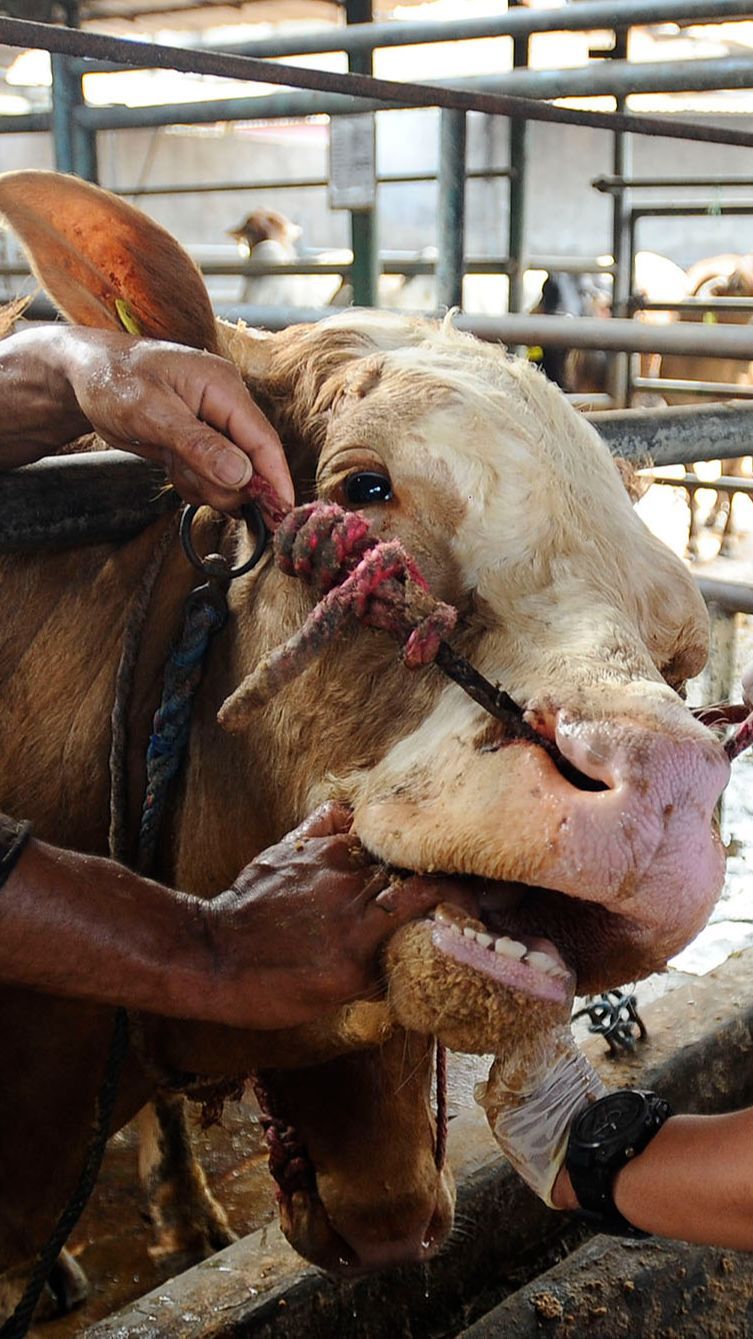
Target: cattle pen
(512, 1268)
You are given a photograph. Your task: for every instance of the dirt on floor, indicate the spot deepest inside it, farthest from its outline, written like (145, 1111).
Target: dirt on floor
(113, 1236)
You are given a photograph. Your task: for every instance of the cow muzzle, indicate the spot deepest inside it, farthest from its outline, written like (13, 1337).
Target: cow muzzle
(600, 856)
(362, 1190)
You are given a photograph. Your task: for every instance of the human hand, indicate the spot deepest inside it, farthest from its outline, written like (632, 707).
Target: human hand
(184, 408)
(531, 1099)
(300, 931)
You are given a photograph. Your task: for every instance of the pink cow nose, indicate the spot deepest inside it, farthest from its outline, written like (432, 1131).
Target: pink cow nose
(642, 834)
(652, 763)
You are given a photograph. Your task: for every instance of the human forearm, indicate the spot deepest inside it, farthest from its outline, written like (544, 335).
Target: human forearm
(84, 927)
(693, 1182)
(299, 933)
(40, 412)
(185, 409)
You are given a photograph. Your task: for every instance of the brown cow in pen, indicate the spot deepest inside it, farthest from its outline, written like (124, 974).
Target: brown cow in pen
(725, 276)
(603, 845)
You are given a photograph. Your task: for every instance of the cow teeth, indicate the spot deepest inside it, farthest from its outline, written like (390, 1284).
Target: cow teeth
(484, 940)
(468, 932)
(510, 948)
(542, 962)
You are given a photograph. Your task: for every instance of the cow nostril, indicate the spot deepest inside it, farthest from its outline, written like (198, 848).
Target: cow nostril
(577, 778)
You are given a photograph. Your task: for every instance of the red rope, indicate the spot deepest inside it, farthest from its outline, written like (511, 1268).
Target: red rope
(359, 578)
(440, 1147)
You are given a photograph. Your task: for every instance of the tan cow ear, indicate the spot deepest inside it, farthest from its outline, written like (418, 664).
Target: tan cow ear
(104, 263)
(635, 484)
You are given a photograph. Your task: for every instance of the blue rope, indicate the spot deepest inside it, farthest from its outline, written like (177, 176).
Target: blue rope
(205, 614)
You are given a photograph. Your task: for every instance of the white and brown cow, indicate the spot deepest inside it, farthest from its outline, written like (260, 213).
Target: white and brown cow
(516, 513)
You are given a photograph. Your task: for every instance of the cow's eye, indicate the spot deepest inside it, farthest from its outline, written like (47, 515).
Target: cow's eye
(367, 487)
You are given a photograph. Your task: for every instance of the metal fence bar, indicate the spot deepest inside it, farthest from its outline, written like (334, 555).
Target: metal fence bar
(517, 152)
(362, 92)
(730, 596)
(513, 94)
(619, 370)
(698, 340)
(389, 264)
(682, 337)
(110, 495)
(616, 182)
(75, 145)
(295, 184)
(690, 210)
(721, 389)
(677, 435)
(451, 209)
(583, 18)
(504, 95)
(27, 123)
(363, 222)
(695, 305)
(723, 484)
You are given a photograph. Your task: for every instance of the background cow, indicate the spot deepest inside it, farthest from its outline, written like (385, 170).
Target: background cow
(585, 371)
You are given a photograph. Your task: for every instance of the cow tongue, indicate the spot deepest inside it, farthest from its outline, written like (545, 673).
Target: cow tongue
(529, 964)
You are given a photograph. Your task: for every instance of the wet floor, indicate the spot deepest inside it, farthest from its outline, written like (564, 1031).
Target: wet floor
(112, 1239)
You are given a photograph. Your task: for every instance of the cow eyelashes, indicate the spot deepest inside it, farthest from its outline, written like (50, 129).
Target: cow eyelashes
(366, 488)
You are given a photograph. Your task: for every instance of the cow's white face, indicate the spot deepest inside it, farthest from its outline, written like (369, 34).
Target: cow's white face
(516, 512)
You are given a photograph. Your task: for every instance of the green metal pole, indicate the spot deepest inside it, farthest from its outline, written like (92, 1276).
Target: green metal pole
(518, 150)
(363, 223)
(622, 241)
(451, 209)
(75, 145)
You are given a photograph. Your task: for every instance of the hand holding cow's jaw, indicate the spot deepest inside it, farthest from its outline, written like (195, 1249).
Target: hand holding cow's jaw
(308, 918)
(183, 408)
(298, 934)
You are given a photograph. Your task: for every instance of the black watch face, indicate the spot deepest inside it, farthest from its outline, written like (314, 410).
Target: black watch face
(613, 1115)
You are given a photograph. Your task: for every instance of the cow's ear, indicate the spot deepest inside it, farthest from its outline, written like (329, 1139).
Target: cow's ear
(104, 263)
(635, 484)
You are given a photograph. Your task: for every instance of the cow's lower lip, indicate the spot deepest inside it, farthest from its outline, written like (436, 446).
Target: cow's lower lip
(545, 978)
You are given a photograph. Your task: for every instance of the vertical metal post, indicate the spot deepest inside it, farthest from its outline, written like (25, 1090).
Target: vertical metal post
(75, 147)
(363, 223)
(518, 146)
(451, 209)
(622, 241)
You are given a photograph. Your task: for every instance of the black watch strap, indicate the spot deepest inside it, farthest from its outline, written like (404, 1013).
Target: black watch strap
(13, 839)
(604, 1137)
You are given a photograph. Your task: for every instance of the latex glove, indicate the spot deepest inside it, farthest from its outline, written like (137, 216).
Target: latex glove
(531, 1100)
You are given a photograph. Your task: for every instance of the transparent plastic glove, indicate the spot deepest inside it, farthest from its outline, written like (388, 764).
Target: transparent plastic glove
(531, 1101)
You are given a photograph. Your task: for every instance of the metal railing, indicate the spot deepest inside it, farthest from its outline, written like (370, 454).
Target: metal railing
(519, 95)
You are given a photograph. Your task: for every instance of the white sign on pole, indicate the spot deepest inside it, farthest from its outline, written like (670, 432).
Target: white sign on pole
(352, 162)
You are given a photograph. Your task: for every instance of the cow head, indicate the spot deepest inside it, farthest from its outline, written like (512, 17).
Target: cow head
(601, 849)
(563, 294)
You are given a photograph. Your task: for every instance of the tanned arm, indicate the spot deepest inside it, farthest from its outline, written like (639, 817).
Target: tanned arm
(298, 934)
(183, 408)
(694, 1182)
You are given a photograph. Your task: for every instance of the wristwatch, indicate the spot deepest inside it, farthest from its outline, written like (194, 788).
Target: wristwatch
(603, 1138)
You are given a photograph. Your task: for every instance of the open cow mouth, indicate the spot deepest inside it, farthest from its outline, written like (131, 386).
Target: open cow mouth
(530, 964)
(541, 944)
